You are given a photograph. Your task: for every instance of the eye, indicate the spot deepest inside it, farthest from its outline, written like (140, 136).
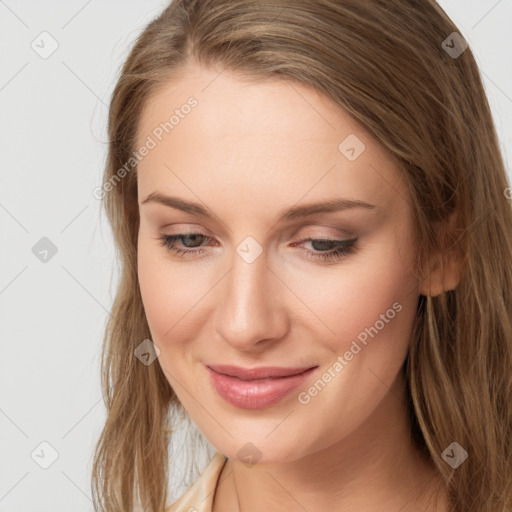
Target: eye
(168, 241)
(339, 248)
(329, 249)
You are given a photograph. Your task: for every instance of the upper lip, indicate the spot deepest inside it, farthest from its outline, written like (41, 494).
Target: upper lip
(263, 372)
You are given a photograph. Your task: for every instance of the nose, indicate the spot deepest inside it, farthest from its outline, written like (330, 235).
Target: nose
(252, 305)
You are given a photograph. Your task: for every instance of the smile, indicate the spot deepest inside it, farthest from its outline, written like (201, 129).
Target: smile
(257, 392)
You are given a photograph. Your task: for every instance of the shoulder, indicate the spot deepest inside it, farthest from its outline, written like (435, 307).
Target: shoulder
(199, 496)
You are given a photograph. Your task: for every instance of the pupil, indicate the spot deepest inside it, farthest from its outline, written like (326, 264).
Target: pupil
(324, 244)
(194, 238)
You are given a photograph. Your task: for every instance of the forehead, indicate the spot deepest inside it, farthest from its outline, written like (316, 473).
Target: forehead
(273, 139)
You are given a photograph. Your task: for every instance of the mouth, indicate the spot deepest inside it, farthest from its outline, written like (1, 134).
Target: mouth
(256, 388)
(265, 372)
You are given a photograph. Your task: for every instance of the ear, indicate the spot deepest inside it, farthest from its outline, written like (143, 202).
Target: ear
(446, 265)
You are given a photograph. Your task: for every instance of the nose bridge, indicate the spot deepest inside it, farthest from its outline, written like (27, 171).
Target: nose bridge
(250, 306)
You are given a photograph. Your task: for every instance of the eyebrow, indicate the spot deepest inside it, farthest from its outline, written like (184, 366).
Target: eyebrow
(296, 212)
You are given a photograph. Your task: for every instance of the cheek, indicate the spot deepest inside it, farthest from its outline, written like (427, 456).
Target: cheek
(178, 304)
(371, 307)
(372, 296)
(167, 291)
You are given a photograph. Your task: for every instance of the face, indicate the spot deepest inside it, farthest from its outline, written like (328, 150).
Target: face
(236, 281)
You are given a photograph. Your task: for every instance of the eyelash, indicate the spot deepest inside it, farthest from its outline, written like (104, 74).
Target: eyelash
(346, 247)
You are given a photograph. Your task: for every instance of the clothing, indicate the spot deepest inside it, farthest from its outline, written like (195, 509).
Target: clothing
(199, 496)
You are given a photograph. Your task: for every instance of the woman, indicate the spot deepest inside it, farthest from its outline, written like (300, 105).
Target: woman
(310, 207)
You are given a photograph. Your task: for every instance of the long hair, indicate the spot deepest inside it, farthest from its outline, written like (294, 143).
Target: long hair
(398, 68)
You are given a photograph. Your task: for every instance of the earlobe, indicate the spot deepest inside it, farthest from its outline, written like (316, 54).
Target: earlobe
(447, 269)
(445, 276)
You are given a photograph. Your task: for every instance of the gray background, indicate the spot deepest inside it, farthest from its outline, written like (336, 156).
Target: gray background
(53, 147)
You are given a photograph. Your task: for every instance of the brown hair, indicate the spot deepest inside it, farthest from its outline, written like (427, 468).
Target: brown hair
(383, 61)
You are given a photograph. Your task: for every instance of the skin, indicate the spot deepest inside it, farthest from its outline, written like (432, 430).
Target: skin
(246, 152)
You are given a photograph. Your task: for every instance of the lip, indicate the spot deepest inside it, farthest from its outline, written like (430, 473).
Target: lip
(263, 372)
(256, 388)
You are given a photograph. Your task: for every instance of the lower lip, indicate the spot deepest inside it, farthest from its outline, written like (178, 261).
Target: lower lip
(256, 394)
